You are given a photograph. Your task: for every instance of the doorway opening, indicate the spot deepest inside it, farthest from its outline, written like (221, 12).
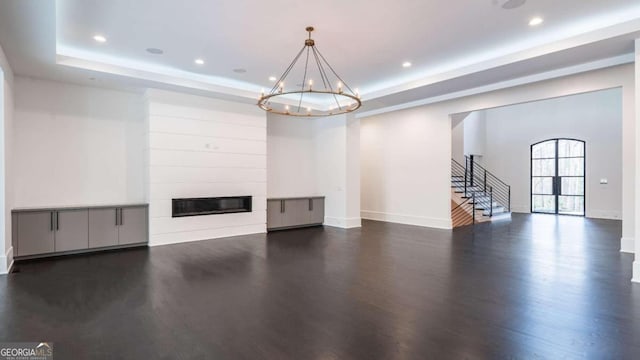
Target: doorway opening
(558, 177)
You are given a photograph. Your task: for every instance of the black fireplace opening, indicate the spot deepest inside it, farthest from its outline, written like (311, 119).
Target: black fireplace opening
(211, 205)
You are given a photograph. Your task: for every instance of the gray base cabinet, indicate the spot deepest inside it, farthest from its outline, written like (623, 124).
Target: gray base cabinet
(48, 232)
(316, 215)
(36, 233)
(275, 214)
(286, 213)
(71, 228)
(103, 227)
(133, 226)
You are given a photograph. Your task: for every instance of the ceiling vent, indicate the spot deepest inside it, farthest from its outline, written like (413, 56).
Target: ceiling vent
(511, 4)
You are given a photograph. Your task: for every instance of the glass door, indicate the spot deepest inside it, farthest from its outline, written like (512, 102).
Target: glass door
(557, 177)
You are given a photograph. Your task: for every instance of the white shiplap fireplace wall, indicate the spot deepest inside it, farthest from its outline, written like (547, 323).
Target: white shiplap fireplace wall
(202, 147)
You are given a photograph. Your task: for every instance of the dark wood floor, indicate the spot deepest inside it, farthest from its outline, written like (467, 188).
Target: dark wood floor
(538, 287)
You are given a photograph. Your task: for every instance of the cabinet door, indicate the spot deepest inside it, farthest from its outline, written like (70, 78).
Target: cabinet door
(133, 225)
(296, 212)
(316, 215)
(103, 228)
(274, 214)
(72, 230)
(35, 233)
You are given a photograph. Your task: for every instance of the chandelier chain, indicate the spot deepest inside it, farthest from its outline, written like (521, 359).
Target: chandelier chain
(334, 72)
(323, 73)
(304, 77)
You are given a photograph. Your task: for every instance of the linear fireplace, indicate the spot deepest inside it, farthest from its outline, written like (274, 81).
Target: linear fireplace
(208, 206)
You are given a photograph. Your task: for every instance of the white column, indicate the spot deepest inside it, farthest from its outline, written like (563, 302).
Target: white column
(636, 264)
(338, 169)
(6, 244)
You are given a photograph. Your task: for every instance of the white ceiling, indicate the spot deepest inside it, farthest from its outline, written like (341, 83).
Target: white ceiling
(453, 45)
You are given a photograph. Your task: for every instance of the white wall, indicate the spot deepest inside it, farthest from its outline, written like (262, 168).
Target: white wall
(406, 167)
(457, 137)
(201, 147)
(592, 117)
(77, 145)
(291, 161)
(475, 130)
(417, 142)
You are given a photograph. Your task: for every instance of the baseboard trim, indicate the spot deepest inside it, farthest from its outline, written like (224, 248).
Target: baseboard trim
(344, 223)
(636, 272)
(627, 245)
(520, 209)
(6, 262)
(603, 214)
(437, 223)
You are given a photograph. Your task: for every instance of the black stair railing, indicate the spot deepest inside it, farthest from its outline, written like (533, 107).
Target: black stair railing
(479, 183)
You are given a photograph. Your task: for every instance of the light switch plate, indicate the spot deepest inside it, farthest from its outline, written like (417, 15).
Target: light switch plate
(604, 181)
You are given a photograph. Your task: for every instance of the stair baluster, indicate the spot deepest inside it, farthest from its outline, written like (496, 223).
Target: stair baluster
(479, 188)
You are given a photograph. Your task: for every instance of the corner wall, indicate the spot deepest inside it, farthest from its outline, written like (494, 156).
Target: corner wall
(338, 168)
(202, 147)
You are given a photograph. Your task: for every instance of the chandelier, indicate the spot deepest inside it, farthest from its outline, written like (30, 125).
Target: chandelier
(328, 95)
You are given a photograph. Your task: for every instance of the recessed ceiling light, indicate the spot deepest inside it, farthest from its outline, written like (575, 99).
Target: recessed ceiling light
(199, 61)
(155, 51)
(100, 38)
(406, 64)
(513, 4)
(536, 21)
(272, 78)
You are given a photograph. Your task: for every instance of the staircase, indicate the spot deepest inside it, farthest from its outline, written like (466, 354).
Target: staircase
(477, 195)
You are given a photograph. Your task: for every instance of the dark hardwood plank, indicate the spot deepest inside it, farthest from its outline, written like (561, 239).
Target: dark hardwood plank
(535, 287)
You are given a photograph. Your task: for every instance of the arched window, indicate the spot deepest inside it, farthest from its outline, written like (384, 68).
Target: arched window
(558, 177)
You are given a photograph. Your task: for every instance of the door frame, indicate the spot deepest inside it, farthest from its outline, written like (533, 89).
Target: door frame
(584, 183)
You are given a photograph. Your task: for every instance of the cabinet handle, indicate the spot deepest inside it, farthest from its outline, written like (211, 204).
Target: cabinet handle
(117, 217)
(51, 221)
(281, 206)
(310, 204)
(57, 220)
(121, 220)
(559, 185)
